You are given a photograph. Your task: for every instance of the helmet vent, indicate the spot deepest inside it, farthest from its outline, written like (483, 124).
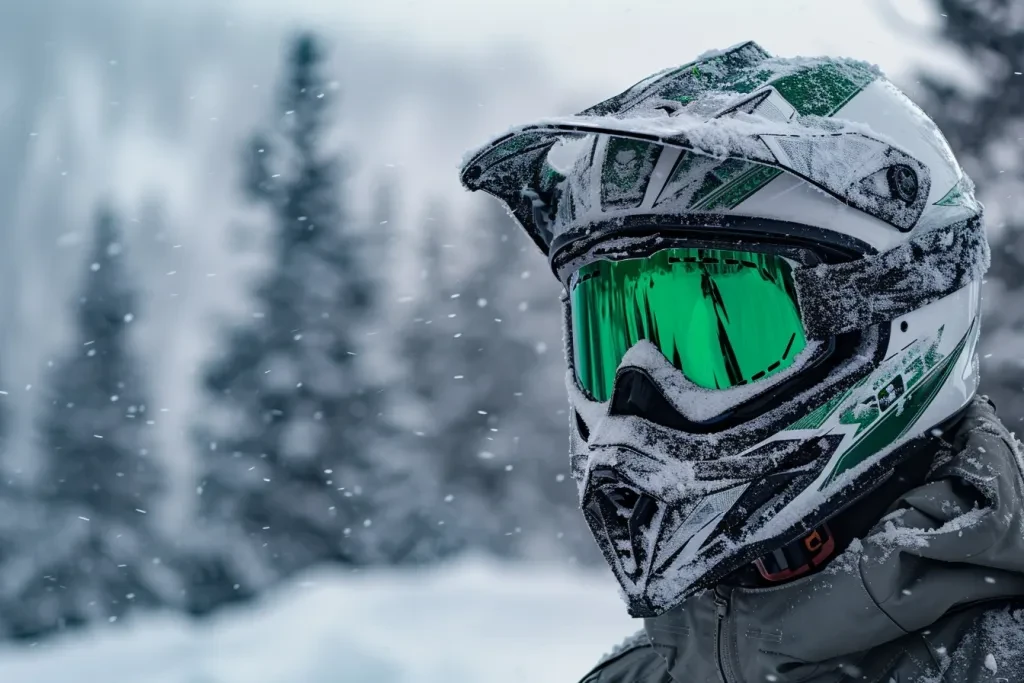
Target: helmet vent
(581, 427)
(627, 516)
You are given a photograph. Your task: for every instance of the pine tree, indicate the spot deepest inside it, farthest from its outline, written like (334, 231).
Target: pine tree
(4, 425)
(286, 469)
(89, 550)
(403, 526)
(475, 374)
(985, 127)
(379, 237)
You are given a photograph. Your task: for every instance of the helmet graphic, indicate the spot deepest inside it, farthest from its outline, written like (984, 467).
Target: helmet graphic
(772, 273)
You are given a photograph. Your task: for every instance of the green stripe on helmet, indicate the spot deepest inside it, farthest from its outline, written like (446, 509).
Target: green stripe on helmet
(897, 420)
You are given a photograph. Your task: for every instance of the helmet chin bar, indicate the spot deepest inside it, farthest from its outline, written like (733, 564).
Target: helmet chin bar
(660, 537)
(663, 547)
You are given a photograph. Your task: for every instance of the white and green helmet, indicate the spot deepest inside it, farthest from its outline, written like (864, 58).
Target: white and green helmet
(772, 271)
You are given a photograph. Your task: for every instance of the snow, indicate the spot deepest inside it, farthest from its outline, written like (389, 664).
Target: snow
(717, 52)
(1004, 640)
(472, 621)
(846, 158)
(739, 135)
(698, 403)
(838, 298)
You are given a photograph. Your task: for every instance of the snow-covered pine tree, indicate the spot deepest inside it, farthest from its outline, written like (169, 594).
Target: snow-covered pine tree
(403, 492)
(285, 465)
(88, 549)
(4, 416)
(985, 126)
(540, 512)
(471, 368)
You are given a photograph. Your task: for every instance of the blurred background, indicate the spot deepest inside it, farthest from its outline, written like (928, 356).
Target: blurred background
(280, 402)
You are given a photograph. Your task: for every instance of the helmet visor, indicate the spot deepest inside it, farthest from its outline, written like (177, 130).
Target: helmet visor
(723, 318)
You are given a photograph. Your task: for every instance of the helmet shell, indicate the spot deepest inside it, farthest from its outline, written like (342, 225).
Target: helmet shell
(832, 155)
(821, 141)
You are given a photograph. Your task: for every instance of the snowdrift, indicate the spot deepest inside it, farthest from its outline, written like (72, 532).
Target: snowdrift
(476, 621)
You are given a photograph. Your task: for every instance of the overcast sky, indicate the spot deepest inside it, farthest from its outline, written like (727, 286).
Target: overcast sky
(609, 44)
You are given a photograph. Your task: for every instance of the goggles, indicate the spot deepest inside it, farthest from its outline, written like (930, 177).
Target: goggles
(723, 318)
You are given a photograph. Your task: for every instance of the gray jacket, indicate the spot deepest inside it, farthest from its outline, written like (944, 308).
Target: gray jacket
(929, 595)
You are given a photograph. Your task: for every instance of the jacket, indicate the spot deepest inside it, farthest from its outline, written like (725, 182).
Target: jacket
(929, 594)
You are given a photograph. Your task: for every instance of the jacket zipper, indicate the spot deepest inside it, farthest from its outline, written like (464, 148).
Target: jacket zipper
(722, 611)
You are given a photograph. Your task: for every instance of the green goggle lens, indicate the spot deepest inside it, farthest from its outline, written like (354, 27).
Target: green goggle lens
(724, 318)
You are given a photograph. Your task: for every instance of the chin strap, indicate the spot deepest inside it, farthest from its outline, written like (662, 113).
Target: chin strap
(798, 557)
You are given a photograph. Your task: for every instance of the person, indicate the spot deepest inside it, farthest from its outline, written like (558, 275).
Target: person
(772, 277)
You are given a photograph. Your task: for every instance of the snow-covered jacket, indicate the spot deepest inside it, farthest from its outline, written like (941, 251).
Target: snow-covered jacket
(932, 593)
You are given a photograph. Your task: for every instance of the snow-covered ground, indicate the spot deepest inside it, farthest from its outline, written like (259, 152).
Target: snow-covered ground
(476, 621)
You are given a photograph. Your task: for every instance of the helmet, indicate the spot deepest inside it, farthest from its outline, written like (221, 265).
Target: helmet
(772, 273)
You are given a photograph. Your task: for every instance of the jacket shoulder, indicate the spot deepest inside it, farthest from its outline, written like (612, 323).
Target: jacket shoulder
(632, 661)
(981, 421)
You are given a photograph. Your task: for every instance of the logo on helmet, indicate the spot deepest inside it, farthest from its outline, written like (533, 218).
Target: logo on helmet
(902, 183)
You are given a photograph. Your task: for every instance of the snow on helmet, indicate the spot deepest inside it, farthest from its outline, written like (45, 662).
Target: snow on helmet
(772, 273)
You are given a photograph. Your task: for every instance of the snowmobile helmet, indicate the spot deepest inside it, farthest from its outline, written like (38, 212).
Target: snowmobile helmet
(772, 273)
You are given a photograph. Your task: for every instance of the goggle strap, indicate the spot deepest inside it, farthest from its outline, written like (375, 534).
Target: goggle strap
(855, 295)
